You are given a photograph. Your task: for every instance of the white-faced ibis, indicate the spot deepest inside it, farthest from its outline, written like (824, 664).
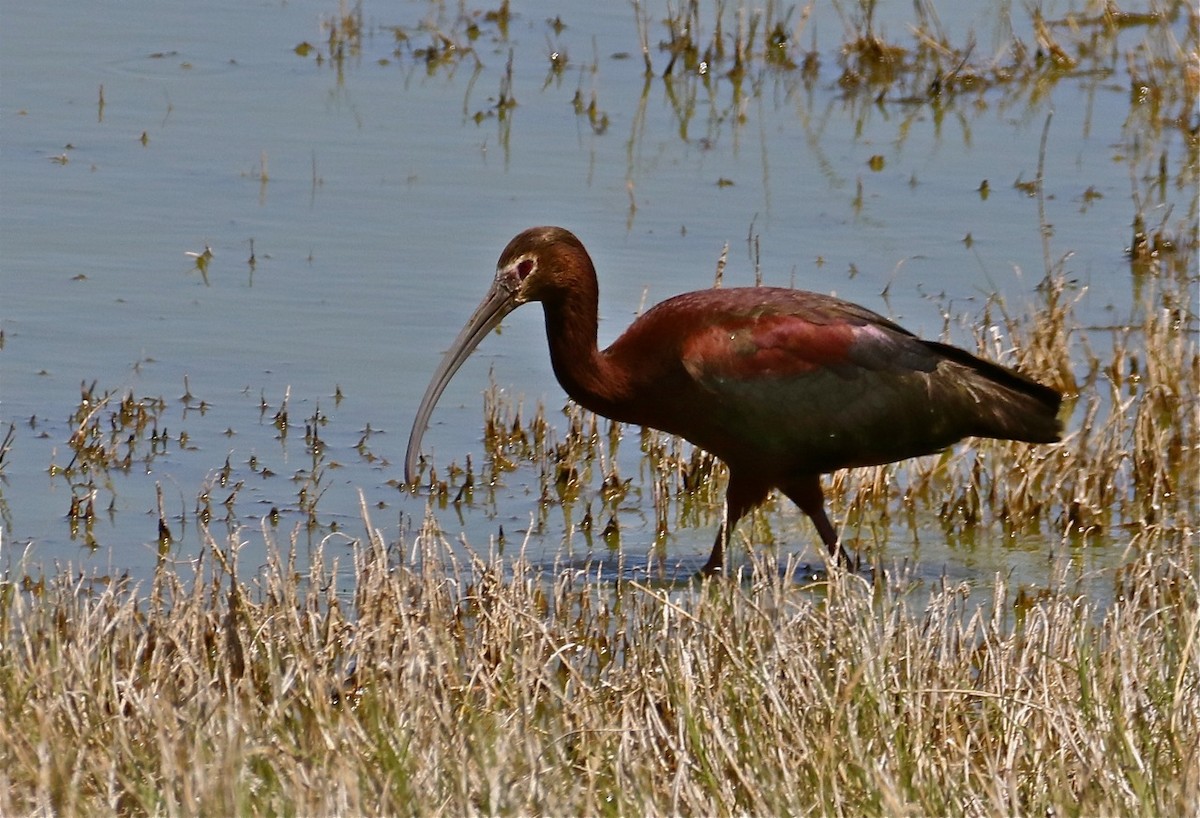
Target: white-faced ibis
(782, 385)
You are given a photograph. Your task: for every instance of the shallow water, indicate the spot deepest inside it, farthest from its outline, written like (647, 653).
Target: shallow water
(374, 195)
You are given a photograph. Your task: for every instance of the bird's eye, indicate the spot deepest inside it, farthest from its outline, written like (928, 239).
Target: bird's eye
(525, 268)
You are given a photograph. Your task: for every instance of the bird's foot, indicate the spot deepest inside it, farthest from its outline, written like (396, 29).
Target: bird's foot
(842, 557)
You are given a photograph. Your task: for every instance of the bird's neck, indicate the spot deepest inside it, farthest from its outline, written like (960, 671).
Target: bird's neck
(581, 368)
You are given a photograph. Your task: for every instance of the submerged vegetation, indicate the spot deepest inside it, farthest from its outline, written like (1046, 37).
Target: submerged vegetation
(355, 673)
(718, 56)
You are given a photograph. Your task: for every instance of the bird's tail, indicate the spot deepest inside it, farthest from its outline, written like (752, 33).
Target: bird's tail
(1016, 406)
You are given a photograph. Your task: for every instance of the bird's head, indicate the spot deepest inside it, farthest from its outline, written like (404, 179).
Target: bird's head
(538, 265)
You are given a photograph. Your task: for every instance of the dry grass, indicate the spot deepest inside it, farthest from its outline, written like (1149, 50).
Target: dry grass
(439, 687)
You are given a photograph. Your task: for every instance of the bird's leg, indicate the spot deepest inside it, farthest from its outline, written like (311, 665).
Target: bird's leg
(741, 496)
(716, 560)
(805, 492)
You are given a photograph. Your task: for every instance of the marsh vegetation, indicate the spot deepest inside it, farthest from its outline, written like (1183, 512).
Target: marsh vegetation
(359, 669)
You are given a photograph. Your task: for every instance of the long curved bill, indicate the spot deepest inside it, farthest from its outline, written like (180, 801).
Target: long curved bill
(498, 303)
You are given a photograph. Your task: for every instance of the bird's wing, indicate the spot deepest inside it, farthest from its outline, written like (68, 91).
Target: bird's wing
(793, 382)
(771, 345)
(835, 387)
